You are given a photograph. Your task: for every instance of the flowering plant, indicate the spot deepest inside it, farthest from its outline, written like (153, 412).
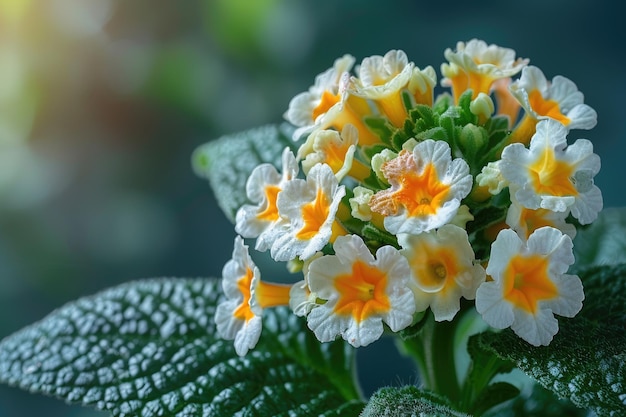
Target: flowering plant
(457, 223)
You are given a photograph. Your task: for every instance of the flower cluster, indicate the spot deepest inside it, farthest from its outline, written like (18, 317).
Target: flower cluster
(399, 200)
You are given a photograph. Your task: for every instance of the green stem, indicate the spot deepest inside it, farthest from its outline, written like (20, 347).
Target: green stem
(433, 350)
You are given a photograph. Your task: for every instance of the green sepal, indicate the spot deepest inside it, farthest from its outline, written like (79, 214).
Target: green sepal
(376, 237)
(381, 127)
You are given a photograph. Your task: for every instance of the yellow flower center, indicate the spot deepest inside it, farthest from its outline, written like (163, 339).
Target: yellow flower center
(549, 108)
(526, 282)
(532, 220)
(335, 154)
(314, 215)
(551, 176)
(434, 267)
(270, 213)
(362, 293)
(243, 311)
(327, 100)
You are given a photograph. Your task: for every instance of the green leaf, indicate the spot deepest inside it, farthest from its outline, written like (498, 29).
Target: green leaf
(408, 401)
(228, 161)
(538, 402)
(604, 241)
(149, 348)
(493, 395)
(478, 395)
(586, 361)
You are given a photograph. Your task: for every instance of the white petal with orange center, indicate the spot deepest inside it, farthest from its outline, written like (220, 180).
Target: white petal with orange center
(554, 176)
(262, 187)
(308, 209)
(530, 284)
(236, 318)
(307, 107)
(427, 187)
(559, 100)
(361, 292)
(443, 269)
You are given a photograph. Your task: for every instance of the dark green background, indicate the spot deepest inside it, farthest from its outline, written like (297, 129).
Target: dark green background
(118, 113)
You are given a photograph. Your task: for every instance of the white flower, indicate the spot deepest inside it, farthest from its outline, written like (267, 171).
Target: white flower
(308, 209)
(359, 204)
(262, 188)
(382, 79)
(301, 299)
(491, 177)
(552, 175)
(530, 284)
(238, 316)
(329, 147)
(443, 269)
(559, 100)
(476, 66)
(361, 291)
(306, 108)
(525, 221)
(427, 187)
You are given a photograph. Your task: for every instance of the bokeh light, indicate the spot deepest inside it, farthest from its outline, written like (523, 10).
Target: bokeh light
(103, 101)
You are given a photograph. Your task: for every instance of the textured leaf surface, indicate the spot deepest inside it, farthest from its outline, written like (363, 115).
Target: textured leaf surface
(228, 161)
(586, 361)
(149, 348)
(604, 241)
(408, 401)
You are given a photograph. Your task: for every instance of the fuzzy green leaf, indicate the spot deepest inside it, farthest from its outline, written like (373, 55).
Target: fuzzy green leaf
(408, 401)
(228, 161)
(586, 361)
(149, 348)
(537, 402)
(604, 241)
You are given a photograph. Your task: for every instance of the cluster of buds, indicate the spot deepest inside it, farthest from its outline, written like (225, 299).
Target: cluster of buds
(399, 201)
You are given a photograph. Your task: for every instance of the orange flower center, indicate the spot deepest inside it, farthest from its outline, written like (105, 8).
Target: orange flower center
(532, 220)
(434, 267)
(314, 215)
(422, 194)
(551, 176)
(526, 282)
(243, 311)
(270, 213)
(327, 100)
(549, 108)
(362, 293)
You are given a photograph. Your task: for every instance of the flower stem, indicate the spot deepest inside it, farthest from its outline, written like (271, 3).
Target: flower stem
(433, 350)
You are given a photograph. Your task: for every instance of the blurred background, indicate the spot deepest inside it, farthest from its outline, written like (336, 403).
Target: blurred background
(103, 101)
